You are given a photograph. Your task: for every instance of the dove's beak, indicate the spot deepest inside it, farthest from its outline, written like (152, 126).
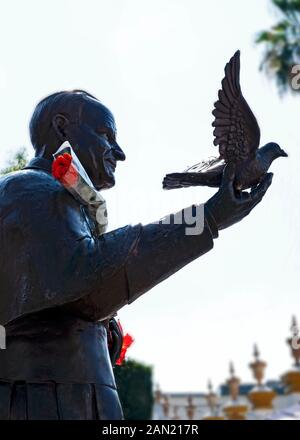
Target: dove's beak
(283, 153)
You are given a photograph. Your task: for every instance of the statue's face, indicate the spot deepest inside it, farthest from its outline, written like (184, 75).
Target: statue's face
(94, 141)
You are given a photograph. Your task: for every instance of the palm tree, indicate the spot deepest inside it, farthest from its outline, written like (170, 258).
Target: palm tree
(282, 44)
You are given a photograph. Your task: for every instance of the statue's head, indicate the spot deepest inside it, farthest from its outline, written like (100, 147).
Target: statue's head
(80, 118)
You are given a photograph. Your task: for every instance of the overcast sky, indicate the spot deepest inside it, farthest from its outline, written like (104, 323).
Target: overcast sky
(157, 64)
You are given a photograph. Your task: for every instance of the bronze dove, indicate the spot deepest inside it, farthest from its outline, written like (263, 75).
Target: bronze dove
(238, 135)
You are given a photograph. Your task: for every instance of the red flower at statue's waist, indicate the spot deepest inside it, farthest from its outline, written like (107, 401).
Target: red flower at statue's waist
(127, 341)
(64, 170)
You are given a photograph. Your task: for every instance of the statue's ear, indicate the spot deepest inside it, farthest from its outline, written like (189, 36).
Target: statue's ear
(60, 124)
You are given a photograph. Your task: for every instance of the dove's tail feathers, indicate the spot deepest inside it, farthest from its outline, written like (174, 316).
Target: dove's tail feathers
(212, 178)
(205, 165)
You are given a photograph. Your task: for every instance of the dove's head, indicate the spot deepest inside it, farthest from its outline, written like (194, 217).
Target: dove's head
(274, 150)
(89, 126)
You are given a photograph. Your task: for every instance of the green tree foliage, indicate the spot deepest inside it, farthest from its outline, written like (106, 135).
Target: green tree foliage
(18, 161)
(134, 382)
(282, 44)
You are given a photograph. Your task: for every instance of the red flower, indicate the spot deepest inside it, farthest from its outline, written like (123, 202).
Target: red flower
(127, 341)
(60, 165)
(63, 170)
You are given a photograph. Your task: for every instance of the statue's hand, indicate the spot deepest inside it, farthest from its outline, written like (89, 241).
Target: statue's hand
(115, 340)
(227, 207)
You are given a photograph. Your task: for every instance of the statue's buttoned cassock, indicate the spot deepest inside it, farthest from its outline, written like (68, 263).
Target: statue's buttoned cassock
(58, 281)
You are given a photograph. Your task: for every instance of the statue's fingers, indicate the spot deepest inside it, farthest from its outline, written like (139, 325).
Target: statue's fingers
(241, 195)
(244, 196)
(228, 178)
(258, 192)
(117, 337)
(113, 325)
(117, 341)
(228, 173)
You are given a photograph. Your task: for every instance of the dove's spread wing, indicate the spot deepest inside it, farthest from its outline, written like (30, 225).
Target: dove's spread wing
(236, 130)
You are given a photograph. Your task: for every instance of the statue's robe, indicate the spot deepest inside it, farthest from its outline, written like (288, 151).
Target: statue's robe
(59, 284)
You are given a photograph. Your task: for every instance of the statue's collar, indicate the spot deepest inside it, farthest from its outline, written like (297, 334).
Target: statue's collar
(40, 163)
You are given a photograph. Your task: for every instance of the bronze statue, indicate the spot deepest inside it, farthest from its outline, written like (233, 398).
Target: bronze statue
(61, 283)
(238, 135)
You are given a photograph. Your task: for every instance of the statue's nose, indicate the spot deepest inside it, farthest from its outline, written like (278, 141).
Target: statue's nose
(119, 153)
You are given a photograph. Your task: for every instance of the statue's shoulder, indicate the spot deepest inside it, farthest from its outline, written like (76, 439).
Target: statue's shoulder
(27, 183)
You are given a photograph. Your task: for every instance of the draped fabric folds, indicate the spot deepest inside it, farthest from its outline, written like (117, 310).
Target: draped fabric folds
(58, 401)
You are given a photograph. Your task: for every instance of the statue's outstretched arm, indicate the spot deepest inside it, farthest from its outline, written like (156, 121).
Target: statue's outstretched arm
(151, 254)
(161, 249)
(51, 258)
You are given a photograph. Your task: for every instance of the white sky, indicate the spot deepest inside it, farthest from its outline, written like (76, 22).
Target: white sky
(158, 65)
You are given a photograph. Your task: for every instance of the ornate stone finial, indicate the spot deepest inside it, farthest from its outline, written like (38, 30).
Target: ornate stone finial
(291, 379)
(209, 386)
(212, 402)
(294, 342)
(157, 394)
(190, 409)
(175, 413)
(294, 326)
(233, 383)
(212, 398)
(256, 352)
(258, 367)
(234, 410)
(260, 396)
(166, 406)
